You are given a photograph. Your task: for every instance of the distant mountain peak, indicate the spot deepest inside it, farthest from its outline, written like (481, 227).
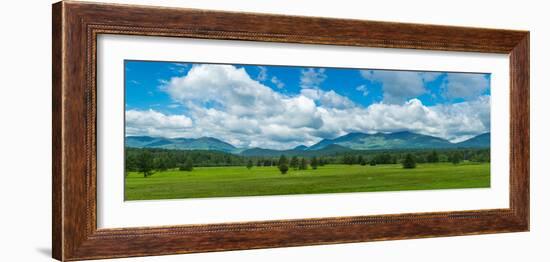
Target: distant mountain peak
(479, 141)
(396, 140)
(351, 135)
(300, 147)
(405, 132)
(208, 138)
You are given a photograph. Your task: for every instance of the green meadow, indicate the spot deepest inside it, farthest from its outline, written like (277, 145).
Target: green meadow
(205, 182)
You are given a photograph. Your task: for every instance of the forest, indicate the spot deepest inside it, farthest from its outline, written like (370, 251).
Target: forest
(148, 160)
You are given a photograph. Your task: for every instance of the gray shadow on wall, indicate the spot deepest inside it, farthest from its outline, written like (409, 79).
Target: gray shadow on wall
(46, 251)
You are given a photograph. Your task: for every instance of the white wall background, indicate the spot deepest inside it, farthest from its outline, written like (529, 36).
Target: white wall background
(25, 147)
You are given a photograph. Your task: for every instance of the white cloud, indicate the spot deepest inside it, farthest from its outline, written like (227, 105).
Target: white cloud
(181, 64)
(363, 89)
(262, 75)
(328, 99)
(455, 122)
(430, 76)
(223, 101)
(151, 122)
(466, 86)
(179, 67)
(400, 86)
(278, 83)
(226, 103)
(332, 99)
(223, 86)
(312, 78)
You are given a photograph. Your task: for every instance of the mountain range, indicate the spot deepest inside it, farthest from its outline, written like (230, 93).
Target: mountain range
(349, 142)
(201, 143)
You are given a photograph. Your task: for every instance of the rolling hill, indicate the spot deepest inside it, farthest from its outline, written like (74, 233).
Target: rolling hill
(202, 143)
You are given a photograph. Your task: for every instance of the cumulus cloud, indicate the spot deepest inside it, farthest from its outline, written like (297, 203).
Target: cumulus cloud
(151, 122)
(223, 101)
(328, 99)
(466, 86)
(223, 86)
(455, 122)
(312, 78)
(400, 86)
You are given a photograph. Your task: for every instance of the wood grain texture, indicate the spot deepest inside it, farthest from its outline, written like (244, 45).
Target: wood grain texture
(519, 129)
(76, 27)
(57, 191)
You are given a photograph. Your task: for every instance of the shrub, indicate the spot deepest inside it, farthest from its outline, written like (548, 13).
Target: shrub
(187, 166)
(409, 161)
(456, 158)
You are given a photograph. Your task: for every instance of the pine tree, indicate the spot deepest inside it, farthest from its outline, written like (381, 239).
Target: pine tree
(249, 164)
(361, 160)
(314, 163)
(456, 157)
(409, 161)
(161, 163)
(145, 163)
(433, 157)
(294, 163)
(283, 164)
(303, 164)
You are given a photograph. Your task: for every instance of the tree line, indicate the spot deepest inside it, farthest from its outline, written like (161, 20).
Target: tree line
(147, 160)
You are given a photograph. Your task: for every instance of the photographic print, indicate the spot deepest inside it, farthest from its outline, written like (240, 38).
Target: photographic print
(198, 130)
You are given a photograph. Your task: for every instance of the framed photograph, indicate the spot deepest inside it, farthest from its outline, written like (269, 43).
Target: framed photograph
(181, 130)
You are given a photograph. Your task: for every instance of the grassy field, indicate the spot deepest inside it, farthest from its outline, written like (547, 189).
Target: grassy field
(258, 181)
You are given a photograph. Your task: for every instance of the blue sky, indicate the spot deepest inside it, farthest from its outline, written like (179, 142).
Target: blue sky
(283, 106)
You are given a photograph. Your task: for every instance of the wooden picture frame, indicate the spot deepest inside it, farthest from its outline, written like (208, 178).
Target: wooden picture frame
(76, 26)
